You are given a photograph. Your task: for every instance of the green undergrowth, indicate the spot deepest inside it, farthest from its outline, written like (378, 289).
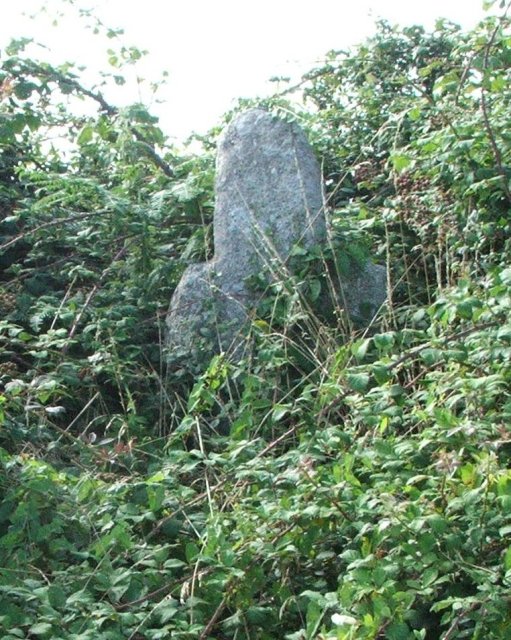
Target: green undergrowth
(340, 482)
(372, 499)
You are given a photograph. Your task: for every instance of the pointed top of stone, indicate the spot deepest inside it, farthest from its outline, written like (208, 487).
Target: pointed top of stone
(268, 191)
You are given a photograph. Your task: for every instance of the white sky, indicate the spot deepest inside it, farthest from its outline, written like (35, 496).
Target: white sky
(219, 50)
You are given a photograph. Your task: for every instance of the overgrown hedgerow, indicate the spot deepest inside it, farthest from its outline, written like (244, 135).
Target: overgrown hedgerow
(340, 482)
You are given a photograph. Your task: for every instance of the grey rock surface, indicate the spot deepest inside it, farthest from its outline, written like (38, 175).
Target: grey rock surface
(364, 292)
(268, 199)
(268, 194)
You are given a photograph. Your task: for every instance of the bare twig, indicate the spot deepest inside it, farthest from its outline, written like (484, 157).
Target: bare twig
(166, 588)
(77, 417)
(275, 442)
(218, 612)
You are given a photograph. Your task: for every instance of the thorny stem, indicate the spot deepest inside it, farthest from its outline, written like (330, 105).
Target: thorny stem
(218, 612)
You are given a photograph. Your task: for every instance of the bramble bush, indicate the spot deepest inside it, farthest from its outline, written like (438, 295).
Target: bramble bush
(339, 482)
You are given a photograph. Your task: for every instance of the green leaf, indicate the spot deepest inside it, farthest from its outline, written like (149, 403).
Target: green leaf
(41, 628)
(156, 496)
(314, 616)
(56, 597)
(381, 373)
(400, 162)
(507, 559)
(398, 631)
(505, 275)
(298, 250)
(24, 90)
(384, 341)
(191, 552)
(156, 478)
(429, 576)
(360, 347)
(431, 356)
(358, 381)
(85, 135)
(414, 114)
(314, 289)
(167, 610)
(279, 412)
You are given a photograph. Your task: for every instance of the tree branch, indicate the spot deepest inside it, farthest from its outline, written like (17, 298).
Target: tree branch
(107, 109)
(51, 223)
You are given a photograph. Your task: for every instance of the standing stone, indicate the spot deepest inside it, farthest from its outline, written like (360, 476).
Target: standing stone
(268, 194)
(268, 199)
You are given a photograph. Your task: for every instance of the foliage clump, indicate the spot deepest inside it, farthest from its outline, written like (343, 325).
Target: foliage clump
(339, 483)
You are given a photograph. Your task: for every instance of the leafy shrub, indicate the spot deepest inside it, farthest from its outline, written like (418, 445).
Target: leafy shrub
(339, 483)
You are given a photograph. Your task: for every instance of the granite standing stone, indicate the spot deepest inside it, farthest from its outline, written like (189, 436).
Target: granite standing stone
(268, 199)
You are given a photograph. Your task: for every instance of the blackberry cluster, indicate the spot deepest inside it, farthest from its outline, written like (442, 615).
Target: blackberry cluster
(8, 370)
(406, 183)
(7, 302)
(365, 171)
(426, 210)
